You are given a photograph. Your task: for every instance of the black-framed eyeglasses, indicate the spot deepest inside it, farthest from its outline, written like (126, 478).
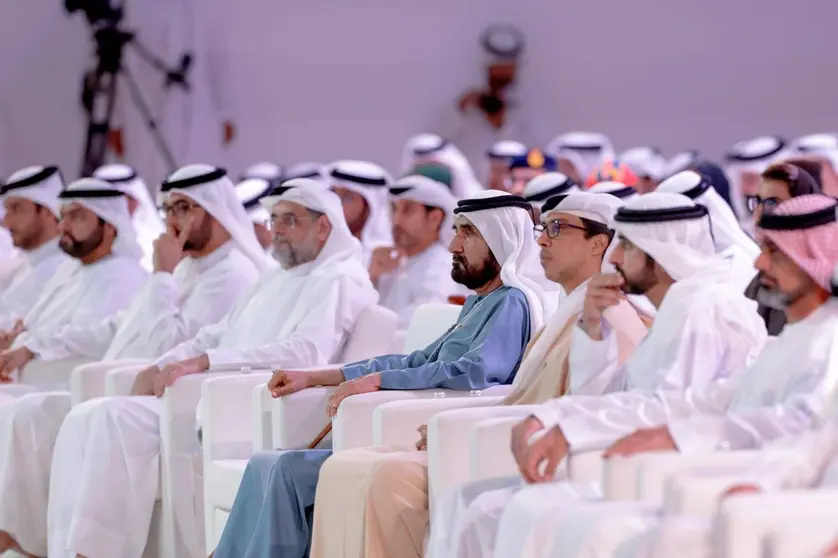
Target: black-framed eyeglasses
(553, 228)
(753, 202)
(177, 209)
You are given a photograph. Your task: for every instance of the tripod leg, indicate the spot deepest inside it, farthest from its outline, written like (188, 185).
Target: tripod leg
(145, 111)
(102, 90)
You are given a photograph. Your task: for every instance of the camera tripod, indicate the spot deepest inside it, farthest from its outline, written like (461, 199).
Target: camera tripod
(100, 88)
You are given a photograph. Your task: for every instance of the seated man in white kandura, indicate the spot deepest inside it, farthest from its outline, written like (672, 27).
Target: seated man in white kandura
(30, 201)
(416, 270)
(705, 329)
(208, 257)
(103, 279)
(297, 316)
(788, 390)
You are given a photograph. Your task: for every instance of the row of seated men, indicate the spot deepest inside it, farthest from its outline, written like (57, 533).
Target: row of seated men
(678, 257)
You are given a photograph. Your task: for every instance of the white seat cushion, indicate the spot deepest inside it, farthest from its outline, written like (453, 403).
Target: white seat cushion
(224, 477)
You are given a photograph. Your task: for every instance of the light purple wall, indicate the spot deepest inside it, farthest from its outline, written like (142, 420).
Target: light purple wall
(324, 79)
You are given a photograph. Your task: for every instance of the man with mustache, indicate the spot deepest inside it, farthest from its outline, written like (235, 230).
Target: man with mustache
(416, 270)
(705, 329)
(96, 231)
(787, 391)
(206, 259)
(496, 256)
(298, 314)
(389, 507)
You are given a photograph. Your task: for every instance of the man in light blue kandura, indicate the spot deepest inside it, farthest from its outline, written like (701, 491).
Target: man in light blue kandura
(494, 254)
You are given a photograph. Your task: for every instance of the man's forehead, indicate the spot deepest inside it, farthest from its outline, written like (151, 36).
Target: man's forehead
(285, 206)
(561, 216)
(72, 206)
(179, 197)
(462, 221)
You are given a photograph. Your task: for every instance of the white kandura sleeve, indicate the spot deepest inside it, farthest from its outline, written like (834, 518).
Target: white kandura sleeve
(804, 404)
(315, 340)
(683, 387)
(172, 321)
(798, 462)
(105, 295)
(86, 342)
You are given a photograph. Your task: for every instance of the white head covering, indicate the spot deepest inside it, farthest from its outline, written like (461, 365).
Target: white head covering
(599, 208)
(147, 220)
(439, 150)
(370, 181)
(586, 150)
(266, 171)
(823, 145)
(545, 186)
(616, 189)
(645, 162)
(109, 203)
(250, 191)
(314, 171)
(508, 231)
(681, 162)
(40, 185)
(682, 248)
(753, 155)
(424, 190)
(507, 149)
(342, 253)
(214, 192)
(725, 227)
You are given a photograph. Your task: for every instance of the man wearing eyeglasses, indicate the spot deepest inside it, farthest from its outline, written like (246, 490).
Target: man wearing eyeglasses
(206, 259)
(393, 483)
(298, 315)
(778, 183)
(705, 330)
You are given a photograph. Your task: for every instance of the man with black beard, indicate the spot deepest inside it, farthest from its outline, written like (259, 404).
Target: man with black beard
(96, 231)
(705, 330)
(206, 259)
(494, 254)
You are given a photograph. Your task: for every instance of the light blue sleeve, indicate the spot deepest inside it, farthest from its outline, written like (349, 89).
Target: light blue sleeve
(492, 358)
(385, 362)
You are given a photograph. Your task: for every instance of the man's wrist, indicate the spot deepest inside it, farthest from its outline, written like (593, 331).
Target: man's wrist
(592, 327)
(203, 363)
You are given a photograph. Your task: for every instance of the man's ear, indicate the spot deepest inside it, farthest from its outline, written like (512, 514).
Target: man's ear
(600, 245)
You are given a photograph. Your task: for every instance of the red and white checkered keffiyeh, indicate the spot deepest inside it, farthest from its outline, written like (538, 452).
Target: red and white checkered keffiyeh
(815, 249)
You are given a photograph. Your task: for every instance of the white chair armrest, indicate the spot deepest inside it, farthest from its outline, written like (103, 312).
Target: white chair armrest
(746, 519)
(449, 443)
(119, 381)
(50, 374)
(297, 419)
(226, 415)
(810, 536)
(490, 455)
(644, 476)
(697, 492)
(88, 381)
(396, 423)
(182, 466)
(261, 421)
(353, 425)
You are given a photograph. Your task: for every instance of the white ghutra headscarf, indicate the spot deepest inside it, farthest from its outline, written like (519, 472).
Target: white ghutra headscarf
(508, 231)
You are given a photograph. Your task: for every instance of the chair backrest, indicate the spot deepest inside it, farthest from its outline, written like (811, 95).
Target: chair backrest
(428, 323)
(372, 335)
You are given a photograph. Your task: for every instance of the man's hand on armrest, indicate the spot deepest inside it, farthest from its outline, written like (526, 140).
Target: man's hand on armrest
(144, 383)
(286, 382)
(539, 458)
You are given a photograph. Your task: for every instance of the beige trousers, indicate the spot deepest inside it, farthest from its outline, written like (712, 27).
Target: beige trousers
(371, 503)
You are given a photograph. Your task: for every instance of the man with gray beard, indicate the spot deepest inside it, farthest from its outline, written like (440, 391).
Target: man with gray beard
(296, 316)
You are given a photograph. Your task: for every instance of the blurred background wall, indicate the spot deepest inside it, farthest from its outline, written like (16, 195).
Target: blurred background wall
(324, 79)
